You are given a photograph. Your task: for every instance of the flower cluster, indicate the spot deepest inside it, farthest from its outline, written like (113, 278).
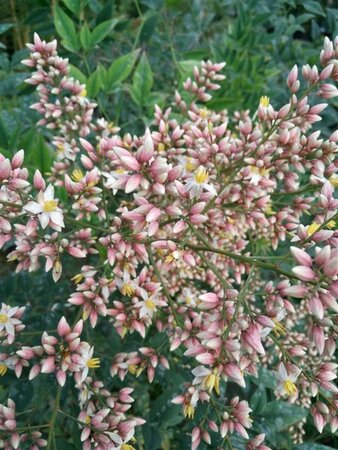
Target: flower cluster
(170, 228)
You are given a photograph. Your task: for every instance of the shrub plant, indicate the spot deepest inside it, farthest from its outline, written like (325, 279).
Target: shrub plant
(203, 258)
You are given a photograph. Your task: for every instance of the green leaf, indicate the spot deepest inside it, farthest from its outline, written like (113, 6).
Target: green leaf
(65, 28)
(142, 81)
(95, 82)
(85, 37)
(102, 31)
(314, 7)
(39, 154)
(312, 446)
(280, 415)
(3, 134)
(77, 74)
(258, 400)
(187, 66)
(152, 438)
(74, 6)
(5, 27)
(121, 68)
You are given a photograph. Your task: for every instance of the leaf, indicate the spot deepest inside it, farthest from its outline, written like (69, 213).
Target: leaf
(85, 37)
(142, 81)
(152, 438)
(3, 134)
(102, 31)
(265, 378)
(77, 74)
(65, 28)
(187, 66)
(280, 415)
(5, 27)
(74, 6)
(312, 446)
(314, 7)
(96, 81)
(121, 68)
(258, 400)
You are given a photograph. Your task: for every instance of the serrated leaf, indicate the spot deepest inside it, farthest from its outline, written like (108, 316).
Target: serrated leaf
(65, 28)
(121, 68)
(314, 7)
(102, 30)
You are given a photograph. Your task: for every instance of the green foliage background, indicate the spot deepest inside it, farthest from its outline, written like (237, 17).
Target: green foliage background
(131, 55)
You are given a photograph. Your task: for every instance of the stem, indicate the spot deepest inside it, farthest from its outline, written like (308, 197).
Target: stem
(241, 258)
(53, 418)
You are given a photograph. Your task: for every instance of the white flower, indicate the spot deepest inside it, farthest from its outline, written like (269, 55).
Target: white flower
(206, 378)
(148, 306)
(46, 209)
(88, 362)
(125, 285)
(287, 384)
(278, 328)
(8, 321)
(199, 181)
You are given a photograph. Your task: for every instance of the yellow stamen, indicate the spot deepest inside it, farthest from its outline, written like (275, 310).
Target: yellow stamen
(264, 101)
(189, 165)
(3, 369)
(60, 147)
(161, 147)
(50, 205)
(204, 113)
(311, 229)
(189, 411)
(211, 382)
(87, 420)
(331, 224)
(83, 93)
(150, 304)
(3, 318)
(127, 290)
(120, 171)
(77, 278)
(201, 175)
(333, 180)
(127, 447)
(279, 329)
(77, 175)
(132, 369)
(93, 363)
(290, 387)
(169, 259)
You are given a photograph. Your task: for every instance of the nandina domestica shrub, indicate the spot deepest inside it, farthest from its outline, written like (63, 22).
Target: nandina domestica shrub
(211, 240)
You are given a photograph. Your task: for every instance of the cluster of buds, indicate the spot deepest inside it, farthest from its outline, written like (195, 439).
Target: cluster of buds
(12, 436)
(169, 226)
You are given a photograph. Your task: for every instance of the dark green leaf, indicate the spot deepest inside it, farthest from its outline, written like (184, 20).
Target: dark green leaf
(314, 7)
(121, 68)
(5, 27)
(102, 31)
(279, 415)
(142, 81)
(312, 446)
(96, 81)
